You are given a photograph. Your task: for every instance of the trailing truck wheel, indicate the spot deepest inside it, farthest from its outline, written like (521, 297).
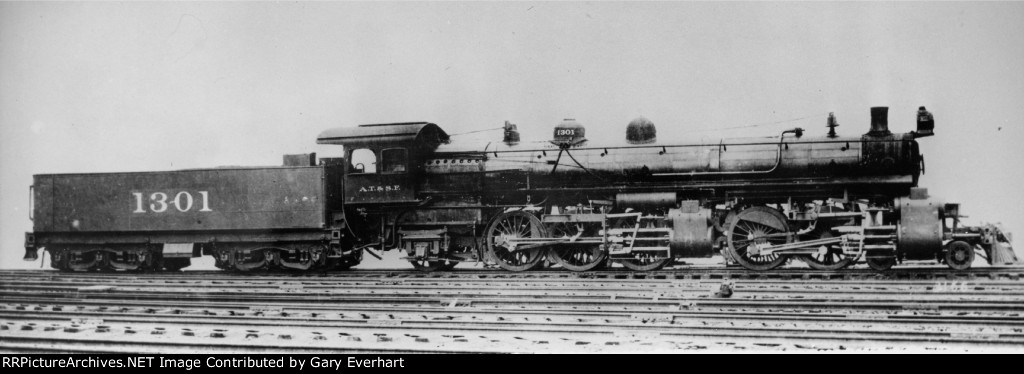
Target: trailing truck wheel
(757, 226)
(829, 258)
(348, 256)
(518, 224)
(959, 255)
(340, 264)
(880, 262)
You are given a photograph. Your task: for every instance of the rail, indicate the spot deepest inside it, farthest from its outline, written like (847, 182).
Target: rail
(46, 311)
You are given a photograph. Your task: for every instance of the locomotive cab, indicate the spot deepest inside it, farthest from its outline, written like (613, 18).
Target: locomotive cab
(381, 167)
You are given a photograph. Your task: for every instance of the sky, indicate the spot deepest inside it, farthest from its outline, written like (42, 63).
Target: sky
(105, 87)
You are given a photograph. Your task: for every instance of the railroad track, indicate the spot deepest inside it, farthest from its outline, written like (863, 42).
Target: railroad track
(479, 311)
(1015, 273)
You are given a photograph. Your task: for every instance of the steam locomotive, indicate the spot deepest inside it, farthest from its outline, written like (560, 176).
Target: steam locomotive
(569, 202)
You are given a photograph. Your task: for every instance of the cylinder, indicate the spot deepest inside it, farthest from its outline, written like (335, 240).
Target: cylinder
(920, 227)
(879, 121)
(691, 234)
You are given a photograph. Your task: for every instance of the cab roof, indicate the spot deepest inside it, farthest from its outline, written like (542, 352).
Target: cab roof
(385, 133)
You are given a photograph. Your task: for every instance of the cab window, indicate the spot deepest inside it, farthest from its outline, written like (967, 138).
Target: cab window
(394, 160)
(363, 161)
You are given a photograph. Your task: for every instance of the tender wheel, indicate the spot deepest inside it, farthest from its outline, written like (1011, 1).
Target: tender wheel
(832, 258)
(756, 226)
(645, 262)
(959, 255)
(254, 258)
(880, 262)
(85, 259)
(510, 225)
(58, 258)
(575, 257)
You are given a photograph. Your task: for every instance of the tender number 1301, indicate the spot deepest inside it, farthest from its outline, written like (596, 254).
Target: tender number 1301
(159, 202)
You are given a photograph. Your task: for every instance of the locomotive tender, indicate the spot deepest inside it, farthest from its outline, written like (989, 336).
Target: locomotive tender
(827, 201)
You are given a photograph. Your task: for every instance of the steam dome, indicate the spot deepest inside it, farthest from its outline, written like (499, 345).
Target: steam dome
(641, 131)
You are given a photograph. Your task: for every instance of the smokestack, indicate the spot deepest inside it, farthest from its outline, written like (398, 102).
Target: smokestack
(879, 121)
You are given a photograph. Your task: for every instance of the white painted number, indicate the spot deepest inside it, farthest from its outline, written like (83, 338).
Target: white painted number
(183, 202)
(206, 201)
(569, 132)
(188, 201)
(158, 199)
(138, 203)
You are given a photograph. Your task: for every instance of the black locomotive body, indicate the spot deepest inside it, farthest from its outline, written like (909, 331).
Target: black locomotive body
(828, 201)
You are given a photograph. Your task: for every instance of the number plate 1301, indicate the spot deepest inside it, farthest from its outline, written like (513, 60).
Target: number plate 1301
(159, 202)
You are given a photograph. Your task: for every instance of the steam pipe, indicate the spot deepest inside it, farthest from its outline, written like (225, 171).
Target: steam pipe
(778, 161)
